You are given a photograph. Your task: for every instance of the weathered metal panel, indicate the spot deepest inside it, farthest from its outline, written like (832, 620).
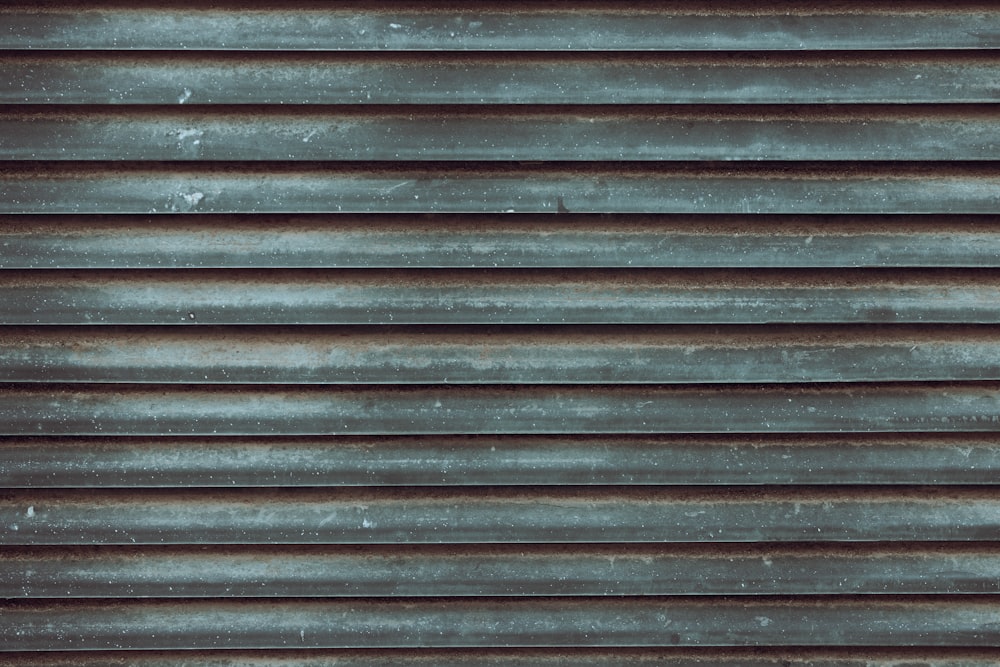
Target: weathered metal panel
(523, 189)
(594, 134)
(514, 623)
(501, 27)
(415, 516)
(151, 78)
(687, 342)
(359, 410)
(497, 297)
(508, 355)
(507, 241)
(802, 459)
(520, 657)
(496, 571)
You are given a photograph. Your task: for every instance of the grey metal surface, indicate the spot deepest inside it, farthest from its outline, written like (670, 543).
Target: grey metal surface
(522, 189)
(666, 134)
(922, 656)
(496, 297)
(641, 26)
(358, 410)
(165, 79)
(467, 241)
(539, 622)
(508, 355)
(653, 329)
(494, 571)
(801, 459)
(490, 515)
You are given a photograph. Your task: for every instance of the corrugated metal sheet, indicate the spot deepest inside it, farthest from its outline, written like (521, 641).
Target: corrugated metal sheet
(508, 334)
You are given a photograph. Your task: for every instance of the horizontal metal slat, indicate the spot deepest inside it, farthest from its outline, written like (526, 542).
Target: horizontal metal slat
(522, 461)
(533, 571)
(577, 241)
(621, 355)
(479, 79)
(640, 27)
(539, 622)
(490, 135)
(891, 189)
(902, 524)
(524, 657)
(523, 513)
(562, 657)
(497, 297)
(180, 410)
(399, 516)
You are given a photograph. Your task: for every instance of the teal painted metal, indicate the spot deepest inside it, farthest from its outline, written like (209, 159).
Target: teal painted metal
(592, 134)
(598, 355)
(358, 410)
(676, 460)
(779, 227)
(446, 189)
(512, 623)
(438, 79)
(496, 297)
(404, 516)
(489, 26)
(561, 657)
(504, 241)
(494, 571)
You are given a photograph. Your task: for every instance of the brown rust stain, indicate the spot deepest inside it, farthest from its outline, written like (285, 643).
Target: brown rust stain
(201, 500)
(361, 338)
(274, 117)
(539, 226)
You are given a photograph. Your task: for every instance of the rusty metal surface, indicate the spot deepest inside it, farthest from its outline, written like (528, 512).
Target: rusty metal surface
(730, 570)
(520, 657)
(507, 355)
(579, 459)
(539, 622)
(482, 297)
(885, 189)
(665, 134)
(495, 515)
(654, 329)
(171, 79)
(505, 241)
(358, 410)
(642, 26)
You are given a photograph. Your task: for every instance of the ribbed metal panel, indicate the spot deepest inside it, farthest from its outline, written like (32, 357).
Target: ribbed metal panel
(505, 334)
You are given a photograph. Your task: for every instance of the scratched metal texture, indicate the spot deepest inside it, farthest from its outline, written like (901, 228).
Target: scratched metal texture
(502, 334)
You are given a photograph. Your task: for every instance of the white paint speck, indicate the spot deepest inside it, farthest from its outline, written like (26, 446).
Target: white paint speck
(764, 621)
(366, 523)
(184, 96)
(31, 511)
(395, 26)
(193, 198)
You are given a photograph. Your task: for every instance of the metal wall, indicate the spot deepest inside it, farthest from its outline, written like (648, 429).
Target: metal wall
(509, 334)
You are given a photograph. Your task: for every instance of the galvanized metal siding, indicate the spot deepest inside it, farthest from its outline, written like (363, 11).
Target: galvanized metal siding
(559, 334)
